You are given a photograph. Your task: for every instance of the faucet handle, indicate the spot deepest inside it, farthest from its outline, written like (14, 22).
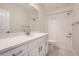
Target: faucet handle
(70, 33)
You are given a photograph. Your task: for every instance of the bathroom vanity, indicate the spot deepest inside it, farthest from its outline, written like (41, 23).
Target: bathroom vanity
(20, 44)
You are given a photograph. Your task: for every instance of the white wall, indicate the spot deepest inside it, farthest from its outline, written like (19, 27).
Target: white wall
(18, 16)
(75, 37)
(42, 22)
(4, 21)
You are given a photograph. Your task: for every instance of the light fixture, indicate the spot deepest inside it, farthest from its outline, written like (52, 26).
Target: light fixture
(33, 5)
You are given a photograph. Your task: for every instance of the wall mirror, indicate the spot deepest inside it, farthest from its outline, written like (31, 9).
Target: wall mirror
(13, 16)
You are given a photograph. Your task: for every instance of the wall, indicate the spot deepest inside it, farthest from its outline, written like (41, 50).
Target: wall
(18, 16)
(42, 22)
(75, 36)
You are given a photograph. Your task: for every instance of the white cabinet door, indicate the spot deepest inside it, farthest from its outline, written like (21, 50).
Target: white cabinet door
(38, 51)
(44, 45)
(41, 49)
(34, 52)
(42, 52)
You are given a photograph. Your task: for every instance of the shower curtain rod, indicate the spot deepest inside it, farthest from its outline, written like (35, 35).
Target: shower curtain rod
(58, 12)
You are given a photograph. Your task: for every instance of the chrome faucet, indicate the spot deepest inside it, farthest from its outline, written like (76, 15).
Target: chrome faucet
(26, 29)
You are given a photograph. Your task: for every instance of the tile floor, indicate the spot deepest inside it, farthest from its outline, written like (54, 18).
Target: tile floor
(57, 51)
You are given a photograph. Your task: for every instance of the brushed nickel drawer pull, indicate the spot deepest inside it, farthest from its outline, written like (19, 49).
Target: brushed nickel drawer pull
(40, 49)
(17, 53)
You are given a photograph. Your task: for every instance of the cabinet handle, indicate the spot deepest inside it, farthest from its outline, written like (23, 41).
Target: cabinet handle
(40, 49)
(17, 53)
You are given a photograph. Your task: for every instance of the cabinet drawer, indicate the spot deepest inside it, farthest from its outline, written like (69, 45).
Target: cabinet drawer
(38, 50)
(19, 51)
(36, 42)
